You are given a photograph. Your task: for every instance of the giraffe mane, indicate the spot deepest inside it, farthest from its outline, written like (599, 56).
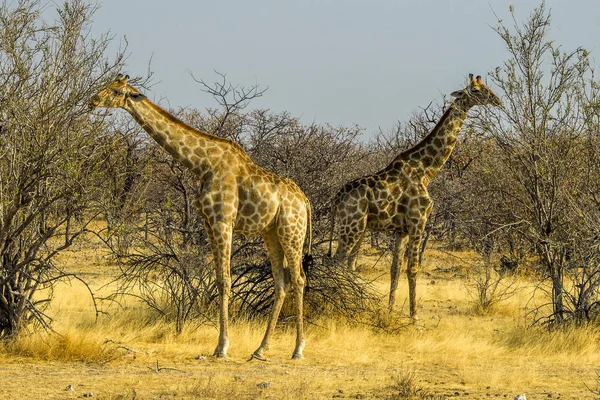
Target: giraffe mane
(173, 119)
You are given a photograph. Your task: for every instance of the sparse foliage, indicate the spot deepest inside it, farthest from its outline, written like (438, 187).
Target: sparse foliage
(407, 386)
(542, 138)
(50, 156)
(488, 286)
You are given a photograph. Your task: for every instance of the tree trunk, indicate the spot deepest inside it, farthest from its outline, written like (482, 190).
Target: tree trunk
(557, 292)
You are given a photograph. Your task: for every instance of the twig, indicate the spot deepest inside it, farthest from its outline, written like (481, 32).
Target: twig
(159, 368)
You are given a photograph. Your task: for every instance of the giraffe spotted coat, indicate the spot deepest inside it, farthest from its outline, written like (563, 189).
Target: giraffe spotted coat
(396, 199)
(235, 195)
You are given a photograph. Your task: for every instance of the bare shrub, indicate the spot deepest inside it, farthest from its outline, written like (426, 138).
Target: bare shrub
(330, 291)
(595, 389)
(407, 386)
(177, 282)
(542, 137)
(49, 153)
(488, 286)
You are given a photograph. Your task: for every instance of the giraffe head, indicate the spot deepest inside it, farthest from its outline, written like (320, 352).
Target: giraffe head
(116, 94)
(477, 93)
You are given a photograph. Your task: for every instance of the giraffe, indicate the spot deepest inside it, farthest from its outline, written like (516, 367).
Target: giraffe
(234, 195)
(396, 199)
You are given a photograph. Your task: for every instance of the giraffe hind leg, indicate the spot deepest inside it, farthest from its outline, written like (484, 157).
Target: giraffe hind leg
(353, 256)
(291, 233)
(349, 243)
(293, 253)
(276, 255)
(351, 230)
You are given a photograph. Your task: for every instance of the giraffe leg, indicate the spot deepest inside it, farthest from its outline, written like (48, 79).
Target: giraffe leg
(353, 257)
(349, 243)
(400, 241)
(293, 253)
(341, 252)
(351, 230)
(282, 286)
(291, 231)
(220, 235)
(414, 247)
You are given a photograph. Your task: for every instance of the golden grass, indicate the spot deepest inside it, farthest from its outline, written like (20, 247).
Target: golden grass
(453, 351)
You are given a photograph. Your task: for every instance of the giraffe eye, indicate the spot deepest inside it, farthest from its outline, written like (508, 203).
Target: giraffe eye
(118, 92)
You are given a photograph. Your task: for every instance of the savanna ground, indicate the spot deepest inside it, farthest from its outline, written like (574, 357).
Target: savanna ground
(454, 351)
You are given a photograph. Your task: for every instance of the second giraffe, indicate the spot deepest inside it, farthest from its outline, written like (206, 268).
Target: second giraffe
(395, 199)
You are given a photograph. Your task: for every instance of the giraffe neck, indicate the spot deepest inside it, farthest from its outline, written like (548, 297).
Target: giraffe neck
(197, 150)
(435, 149)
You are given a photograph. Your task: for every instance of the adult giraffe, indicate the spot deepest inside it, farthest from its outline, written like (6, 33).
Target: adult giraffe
(234, 195)
(396, 198)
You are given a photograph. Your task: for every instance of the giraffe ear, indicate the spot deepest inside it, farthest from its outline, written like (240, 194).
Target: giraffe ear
(137, 97)
(457, 93)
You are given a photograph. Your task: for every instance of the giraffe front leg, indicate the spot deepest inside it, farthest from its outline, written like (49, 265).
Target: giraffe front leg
(397, 260)
(414, 248)
(220, 236)
(416, 229)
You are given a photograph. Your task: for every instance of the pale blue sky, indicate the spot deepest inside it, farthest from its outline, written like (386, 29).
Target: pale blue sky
(365, 62)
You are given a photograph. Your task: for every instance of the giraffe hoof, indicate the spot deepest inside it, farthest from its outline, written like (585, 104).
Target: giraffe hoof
(258, 357)
(297, 356)
(220, 354)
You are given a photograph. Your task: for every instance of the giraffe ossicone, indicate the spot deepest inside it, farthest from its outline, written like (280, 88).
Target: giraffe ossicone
(395, 199)
(234, 195)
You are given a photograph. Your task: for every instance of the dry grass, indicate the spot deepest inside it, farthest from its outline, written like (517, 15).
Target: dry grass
(453, 352)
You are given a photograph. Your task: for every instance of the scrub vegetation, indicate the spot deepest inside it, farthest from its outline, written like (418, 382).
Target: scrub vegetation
(107, 282)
